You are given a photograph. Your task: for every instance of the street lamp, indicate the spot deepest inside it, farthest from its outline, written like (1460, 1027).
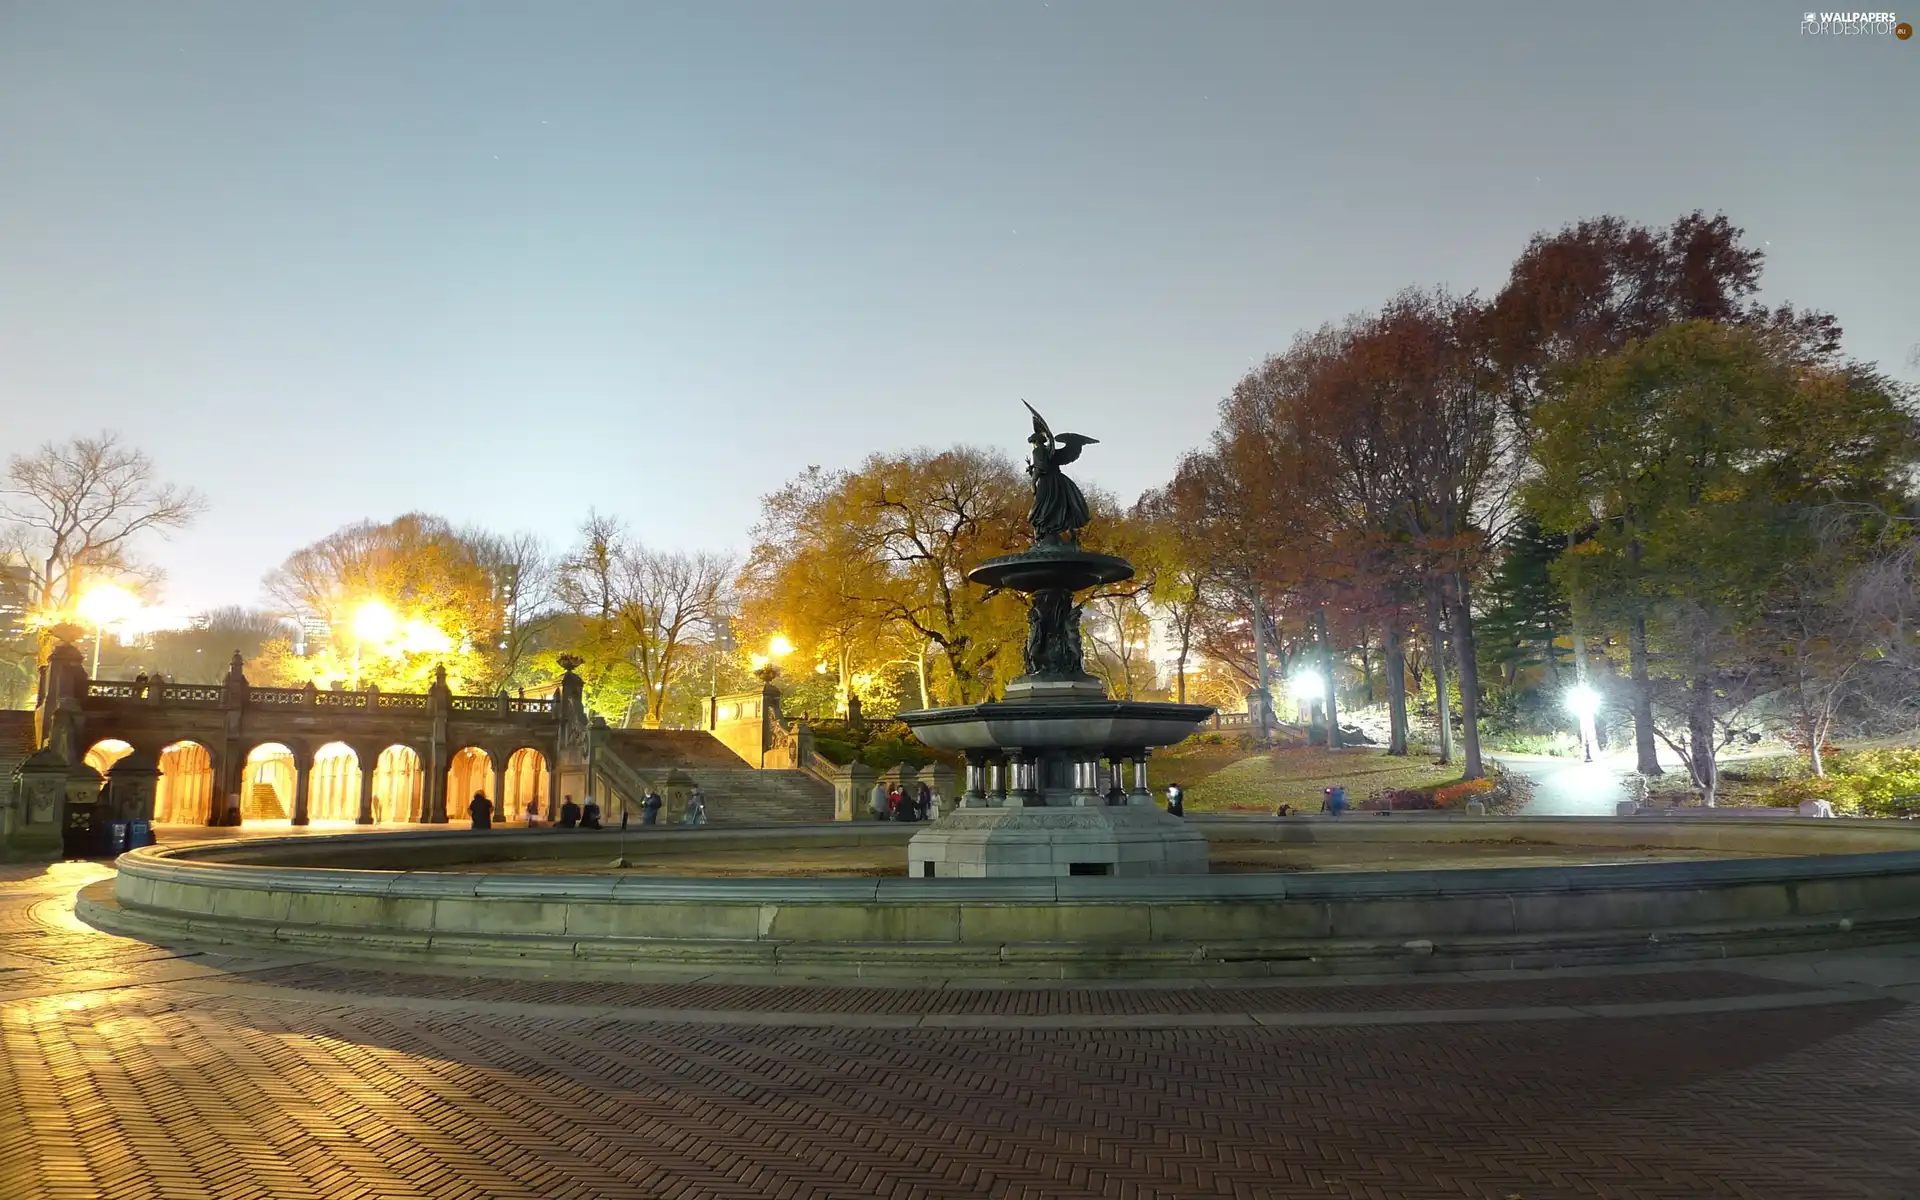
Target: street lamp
(1583, 702)
(1307, 688)
(103, 605)
(373, 622)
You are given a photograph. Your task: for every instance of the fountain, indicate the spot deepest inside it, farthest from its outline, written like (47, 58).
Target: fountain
(1045, 763)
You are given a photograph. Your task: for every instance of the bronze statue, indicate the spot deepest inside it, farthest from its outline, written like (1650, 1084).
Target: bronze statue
(1059, 510)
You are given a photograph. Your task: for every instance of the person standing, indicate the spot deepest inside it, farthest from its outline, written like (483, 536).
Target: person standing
(569, 814)
(1176, 801)
(924, 803)
(697, 807)
(590, 814)
(893, 803)
(878, 802)
(650, 807)
(533, 814)
(481, 810)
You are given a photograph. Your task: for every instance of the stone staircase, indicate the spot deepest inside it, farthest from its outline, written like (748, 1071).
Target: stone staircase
(630, 760)
(747, 795)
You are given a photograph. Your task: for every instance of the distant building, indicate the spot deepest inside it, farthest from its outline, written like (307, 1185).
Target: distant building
(16, 590)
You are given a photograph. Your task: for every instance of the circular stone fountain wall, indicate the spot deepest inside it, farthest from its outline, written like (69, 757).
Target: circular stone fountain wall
(431, 896)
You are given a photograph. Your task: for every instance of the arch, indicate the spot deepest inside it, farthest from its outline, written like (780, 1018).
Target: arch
(104, 753)
(185, 794)
(266, 783)
(333, 786)
(469, 770)
(399, 782)
(527, 784)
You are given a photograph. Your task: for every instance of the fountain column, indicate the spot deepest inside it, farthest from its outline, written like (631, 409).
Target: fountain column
(973, 793)
(1141, 793)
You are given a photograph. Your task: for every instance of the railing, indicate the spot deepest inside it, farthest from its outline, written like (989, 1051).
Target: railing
(338, 703)
(1232, 720)
(191, 693)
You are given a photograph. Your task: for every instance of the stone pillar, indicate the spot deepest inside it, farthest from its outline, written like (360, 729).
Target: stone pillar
(365, 816)
(942, 779)
(39, 794)
(1141, 793)
(1025, 792)
(674, 790)
(303, 783)
(997, 769)
(1086, 783)
(131, 784)
(852, 791)
(500, 785)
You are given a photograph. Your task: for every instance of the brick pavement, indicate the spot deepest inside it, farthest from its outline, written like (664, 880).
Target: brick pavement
(116, 1081)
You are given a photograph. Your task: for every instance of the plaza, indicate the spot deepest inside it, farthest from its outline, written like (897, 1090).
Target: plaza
(132, 1070)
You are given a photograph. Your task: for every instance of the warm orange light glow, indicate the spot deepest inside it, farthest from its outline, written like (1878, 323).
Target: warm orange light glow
(778, 646)
(373, 621)
(421, 637)
(107, 604)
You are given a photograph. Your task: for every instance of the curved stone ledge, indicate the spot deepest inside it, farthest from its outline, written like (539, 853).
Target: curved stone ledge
(1299, 923)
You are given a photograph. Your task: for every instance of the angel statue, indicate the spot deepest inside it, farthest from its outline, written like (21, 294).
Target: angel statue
(1059, 510)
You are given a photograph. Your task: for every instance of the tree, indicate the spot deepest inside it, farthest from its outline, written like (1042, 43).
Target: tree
(1525, 608)
(522, 572)
(1695, 458)
(200, 653)
(445, 604)
(1593, 287)
(644, 615)
(76, 511)
(1180, 582)
(871, 565)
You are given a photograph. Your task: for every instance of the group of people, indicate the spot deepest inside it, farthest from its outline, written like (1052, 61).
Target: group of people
(890, 802)
(587, 816)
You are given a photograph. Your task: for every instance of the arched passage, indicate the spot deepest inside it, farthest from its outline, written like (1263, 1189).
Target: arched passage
(185, 795)
(333, 790)
(527, 787)
(398, 784)
(266, 785)
(106, 753)
(469, 771)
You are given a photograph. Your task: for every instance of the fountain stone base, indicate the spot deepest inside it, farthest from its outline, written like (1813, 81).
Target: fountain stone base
(1002, 843)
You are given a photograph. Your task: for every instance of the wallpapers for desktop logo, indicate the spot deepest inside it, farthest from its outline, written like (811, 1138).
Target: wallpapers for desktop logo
(1849, 24)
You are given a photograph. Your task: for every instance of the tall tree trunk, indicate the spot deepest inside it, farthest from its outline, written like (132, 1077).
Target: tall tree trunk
(1258, 703)
(1469, 676)
(1706, 771)
(1326, 671)
(1396, 655)
(1366, 664)
(1437, 655)
(1645, 749)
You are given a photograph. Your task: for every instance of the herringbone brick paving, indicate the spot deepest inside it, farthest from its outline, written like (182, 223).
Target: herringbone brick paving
(154, 1090)
(1628, 989)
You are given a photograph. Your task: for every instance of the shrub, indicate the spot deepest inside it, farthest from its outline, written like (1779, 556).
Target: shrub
(1401, 800)
(1456, 795)
(1864, 783)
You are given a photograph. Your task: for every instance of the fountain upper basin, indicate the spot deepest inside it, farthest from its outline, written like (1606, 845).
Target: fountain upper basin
(1063, 725)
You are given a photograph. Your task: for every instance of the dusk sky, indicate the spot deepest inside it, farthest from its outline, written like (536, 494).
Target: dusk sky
(510, 262)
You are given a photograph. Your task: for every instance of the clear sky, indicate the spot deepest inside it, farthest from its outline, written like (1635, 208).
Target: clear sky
(509, 261)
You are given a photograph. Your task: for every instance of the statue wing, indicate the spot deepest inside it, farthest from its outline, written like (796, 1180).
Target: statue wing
(1070, 444)
(1040, 424)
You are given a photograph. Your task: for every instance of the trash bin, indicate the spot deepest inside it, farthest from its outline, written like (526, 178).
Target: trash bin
(113, 837)
(139, 833)
(76, 834)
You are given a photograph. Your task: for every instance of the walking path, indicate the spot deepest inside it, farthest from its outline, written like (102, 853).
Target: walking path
(131, 1070)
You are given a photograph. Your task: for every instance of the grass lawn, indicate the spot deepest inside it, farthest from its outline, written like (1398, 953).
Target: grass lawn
(1233, 779)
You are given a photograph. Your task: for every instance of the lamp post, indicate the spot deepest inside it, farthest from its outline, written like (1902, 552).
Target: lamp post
(1307, 688)
(1583, 702)
(104, 605)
